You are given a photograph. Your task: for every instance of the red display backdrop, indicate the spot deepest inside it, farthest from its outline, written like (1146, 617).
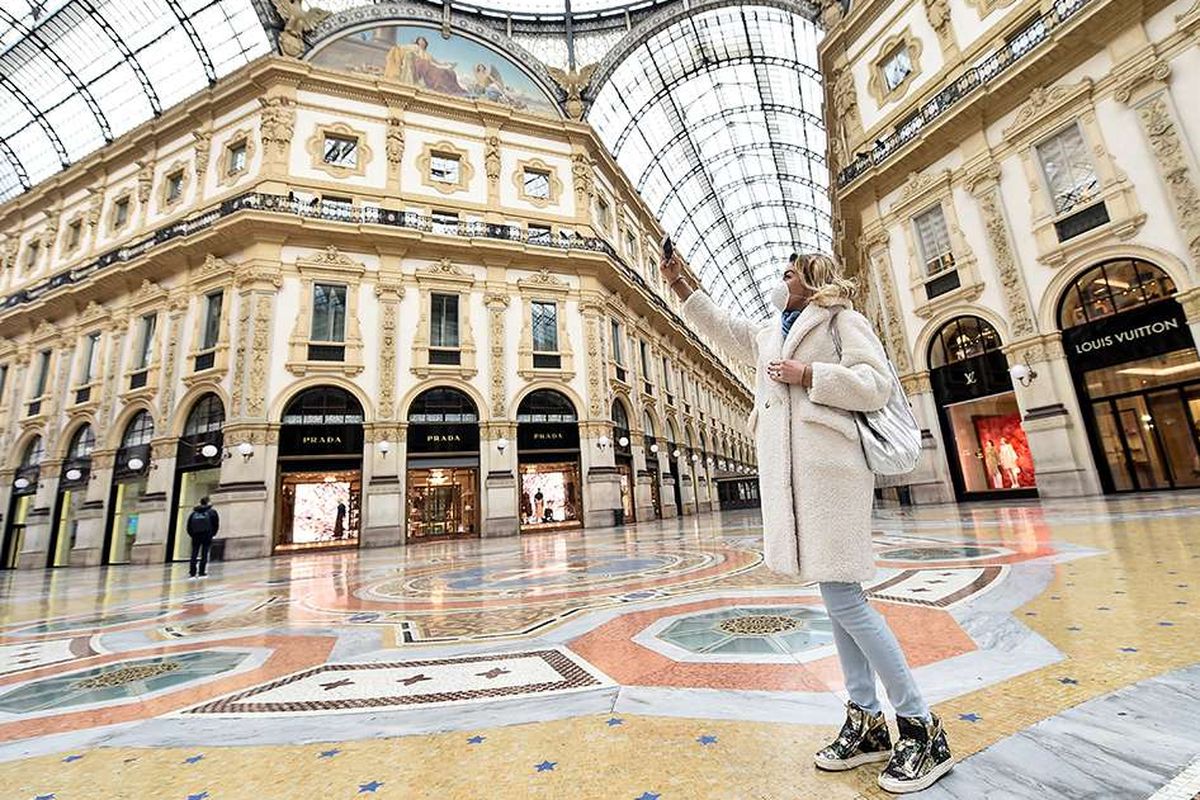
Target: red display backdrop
(1006, 455)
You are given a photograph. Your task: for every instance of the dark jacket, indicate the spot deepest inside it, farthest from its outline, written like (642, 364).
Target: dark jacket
(212, 523)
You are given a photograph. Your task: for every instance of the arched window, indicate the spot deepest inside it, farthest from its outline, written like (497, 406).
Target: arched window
(34, 453)
(962, 338)
(443, 405)
(672, 432)
(546, 405)
(620, 416)
(647, 424)
(82, 444)
(703, 442)
(323, 405)
(1113, 287)
(139, 431)
(206, 416)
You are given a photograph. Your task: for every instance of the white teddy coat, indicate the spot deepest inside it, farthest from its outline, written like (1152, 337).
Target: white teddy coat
(816, 488)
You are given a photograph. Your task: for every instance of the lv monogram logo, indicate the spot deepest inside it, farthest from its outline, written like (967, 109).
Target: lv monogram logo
(970, 376)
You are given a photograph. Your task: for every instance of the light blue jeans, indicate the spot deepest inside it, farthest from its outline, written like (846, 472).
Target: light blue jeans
(867, 647)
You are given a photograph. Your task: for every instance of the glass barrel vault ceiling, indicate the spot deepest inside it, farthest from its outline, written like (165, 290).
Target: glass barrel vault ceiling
(717, 120)
(75, 74)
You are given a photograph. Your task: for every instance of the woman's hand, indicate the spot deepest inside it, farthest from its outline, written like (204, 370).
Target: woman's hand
(671, 268)
(790, 371)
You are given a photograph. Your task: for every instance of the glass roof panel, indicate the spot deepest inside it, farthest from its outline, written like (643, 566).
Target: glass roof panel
(717, 120)
(75, 74)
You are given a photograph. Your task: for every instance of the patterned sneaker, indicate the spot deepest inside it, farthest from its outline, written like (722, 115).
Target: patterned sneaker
(919, 758)
(864, 739)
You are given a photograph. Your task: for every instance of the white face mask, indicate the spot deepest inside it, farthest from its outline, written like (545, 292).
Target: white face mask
(780, 295)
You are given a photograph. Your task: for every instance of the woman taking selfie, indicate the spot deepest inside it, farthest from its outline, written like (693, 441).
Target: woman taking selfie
(817, 492)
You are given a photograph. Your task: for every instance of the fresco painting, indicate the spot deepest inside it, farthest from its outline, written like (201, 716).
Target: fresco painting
(419, 56)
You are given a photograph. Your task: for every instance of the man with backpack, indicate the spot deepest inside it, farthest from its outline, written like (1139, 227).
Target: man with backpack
(202, 525)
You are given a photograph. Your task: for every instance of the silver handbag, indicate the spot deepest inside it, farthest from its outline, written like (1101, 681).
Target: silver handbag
(891, 437)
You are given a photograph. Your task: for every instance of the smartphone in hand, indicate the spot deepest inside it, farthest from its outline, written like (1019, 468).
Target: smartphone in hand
(668, 248)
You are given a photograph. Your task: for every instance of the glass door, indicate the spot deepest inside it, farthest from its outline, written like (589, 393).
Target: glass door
(1141, 441)
(442, 502)
(1113, 445)
(1176, 434)
(126, 495)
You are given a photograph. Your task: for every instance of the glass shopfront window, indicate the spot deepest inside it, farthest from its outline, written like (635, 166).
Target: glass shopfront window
(1137, 375)
(443, 465)
(548, 458)
(198, 458)
(985, 441)
(130, 475)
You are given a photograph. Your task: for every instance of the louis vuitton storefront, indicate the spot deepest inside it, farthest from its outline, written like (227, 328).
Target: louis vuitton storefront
(443, 466)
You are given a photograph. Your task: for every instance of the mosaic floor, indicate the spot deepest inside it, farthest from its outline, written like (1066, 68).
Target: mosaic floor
(1058, 640)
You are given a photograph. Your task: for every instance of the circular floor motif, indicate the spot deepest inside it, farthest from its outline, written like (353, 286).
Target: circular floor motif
(940, 553)
(778, 630)
(118, 681)
(518, 576)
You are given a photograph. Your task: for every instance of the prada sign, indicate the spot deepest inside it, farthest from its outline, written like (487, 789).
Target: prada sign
(321, 440)
(443, 438)
(1139, 333)
(548, 436)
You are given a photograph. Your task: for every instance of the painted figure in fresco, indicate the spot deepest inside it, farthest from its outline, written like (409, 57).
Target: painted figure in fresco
(1008, 461)
(413, 63)
(489, 84)
(991, 462)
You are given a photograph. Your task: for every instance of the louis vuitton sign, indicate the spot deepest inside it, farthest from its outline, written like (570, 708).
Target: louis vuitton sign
(1132, 335)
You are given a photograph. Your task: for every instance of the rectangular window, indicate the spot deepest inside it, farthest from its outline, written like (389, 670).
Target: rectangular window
(540, 234)
(87, 366)
(647, 381)
(445, 223)
(545, 327)
(1067, 165)
(121, 212)
(341, 151)
(329, 313)
(537, 184)
(444, 168)
(896, 67)
(666, 374)
(443, 320)
(934, 237)
(617, 355)
(146, 340)
(236, 160)
(212, 320)
(43, 375)
(603, 214)
(174, 186)
(631, 245)
(74, 234)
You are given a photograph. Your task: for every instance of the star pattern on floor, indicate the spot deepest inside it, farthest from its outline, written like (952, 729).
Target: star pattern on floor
(972, 717)
(706, 739)
(369, 788)
(546, 766)
(196, 759)
(329, 753)
(477, 740)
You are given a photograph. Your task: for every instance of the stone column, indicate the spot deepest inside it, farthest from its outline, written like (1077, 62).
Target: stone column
(930, 482)
(643, 478)
(385, 514)
(1190, 300)
(36, 546)
(91, 517)
(601, 482)
(500, 480)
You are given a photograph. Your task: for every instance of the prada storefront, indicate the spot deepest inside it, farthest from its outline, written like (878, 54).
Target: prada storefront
(443, 466)
(1137, 375)
(987, 449)
(623, 456)
(551, 488)
(320, 471)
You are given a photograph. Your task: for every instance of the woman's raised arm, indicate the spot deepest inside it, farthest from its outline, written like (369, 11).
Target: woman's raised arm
(735, 335)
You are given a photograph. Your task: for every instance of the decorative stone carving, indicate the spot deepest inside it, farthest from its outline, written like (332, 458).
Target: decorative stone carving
(167, 396)
(597, 393)
(916, 184)
(497, 305)
(8, 252)
(95, 206)
(543, 278)
(145, 181)
(239, 361)
(203, 148)
(297, 23)
(938, 14)
(573, 85)
(395, 141)
(1042, 102)
(389, 293)
(985, 186)
(443, 267)
(584, 178)
(1166, 142)
(845, 105)
(1154, 70)
(256, 394)
(491, 158)
(278, 123)
(874, 248)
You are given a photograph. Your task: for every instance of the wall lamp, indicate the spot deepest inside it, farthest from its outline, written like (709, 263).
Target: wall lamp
(385, 447)
(502, 444)
(136, 464)
(21, 483)
(654, 448)
(623, 441)
(246, 451)
(603, 442)
(1023, 374)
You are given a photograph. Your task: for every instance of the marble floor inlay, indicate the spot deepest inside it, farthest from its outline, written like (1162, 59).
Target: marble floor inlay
(1056, 639)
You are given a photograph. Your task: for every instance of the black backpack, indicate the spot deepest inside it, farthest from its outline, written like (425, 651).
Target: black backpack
(198, 523)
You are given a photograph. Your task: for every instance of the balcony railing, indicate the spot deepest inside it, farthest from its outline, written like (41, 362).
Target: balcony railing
(1036, 34)
(369, 215)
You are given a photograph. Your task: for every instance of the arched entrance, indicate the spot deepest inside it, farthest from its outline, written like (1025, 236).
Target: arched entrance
(443, 465)
(623, 457)
(320, 471)
(72, 490)
(548, 462)
(198, 459)
(130, 475)
(25, 484)
(651, 449)
(1136, 373)
(978, 412)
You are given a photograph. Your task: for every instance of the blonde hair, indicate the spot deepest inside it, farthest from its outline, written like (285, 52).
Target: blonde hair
(823, 275)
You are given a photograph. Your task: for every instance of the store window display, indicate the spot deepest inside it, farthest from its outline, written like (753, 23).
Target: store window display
(198, 459)
(443, 465)
(981, 421)
(549, 462)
